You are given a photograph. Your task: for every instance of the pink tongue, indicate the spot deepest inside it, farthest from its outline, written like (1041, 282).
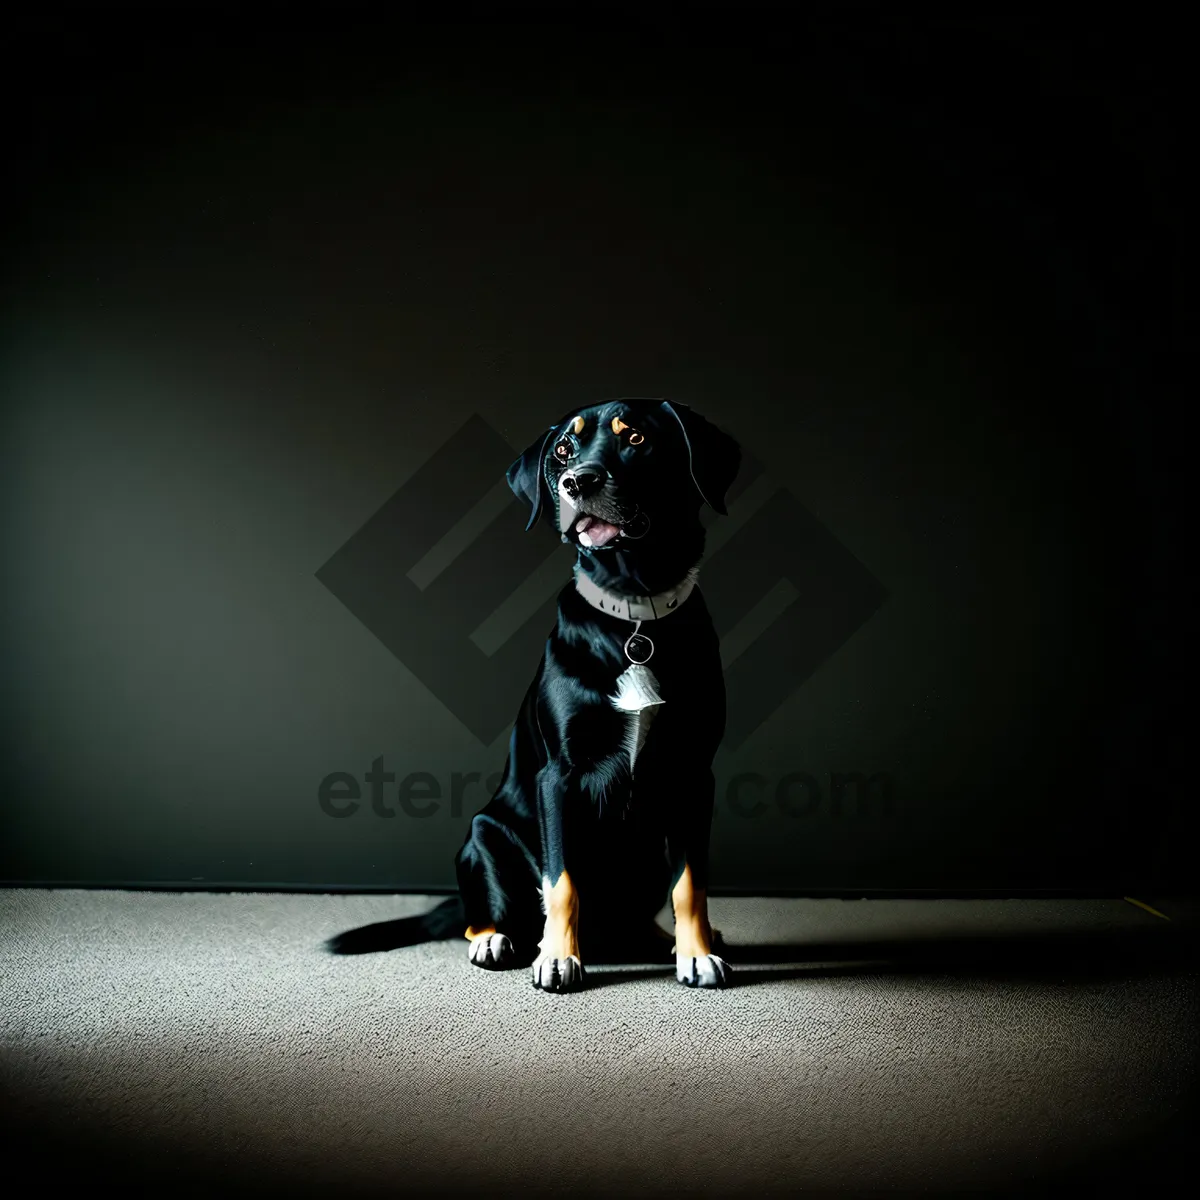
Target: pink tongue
(601, 532)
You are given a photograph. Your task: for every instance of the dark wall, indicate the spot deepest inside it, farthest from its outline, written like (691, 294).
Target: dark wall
(281, 305)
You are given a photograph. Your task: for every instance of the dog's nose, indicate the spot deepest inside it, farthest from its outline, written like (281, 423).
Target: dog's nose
(584, 481)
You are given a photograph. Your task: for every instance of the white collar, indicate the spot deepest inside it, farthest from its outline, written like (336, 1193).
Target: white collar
(636, 608)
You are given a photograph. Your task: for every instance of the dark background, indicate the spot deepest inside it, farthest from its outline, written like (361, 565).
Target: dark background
(261, 269)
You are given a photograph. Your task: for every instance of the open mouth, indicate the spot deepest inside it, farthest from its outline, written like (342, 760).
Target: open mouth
(594, 533)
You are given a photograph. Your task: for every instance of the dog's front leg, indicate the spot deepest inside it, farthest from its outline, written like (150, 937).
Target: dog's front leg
(695, 963)
(558, 967)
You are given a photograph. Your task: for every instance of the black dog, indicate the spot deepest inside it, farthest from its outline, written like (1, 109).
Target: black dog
(605, 805)
(606, 801)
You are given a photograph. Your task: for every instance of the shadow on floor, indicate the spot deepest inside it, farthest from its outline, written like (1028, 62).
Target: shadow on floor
(1077, 955)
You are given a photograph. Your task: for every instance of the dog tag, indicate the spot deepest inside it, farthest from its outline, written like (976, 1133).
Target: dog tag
(636, 689)
(639, 648)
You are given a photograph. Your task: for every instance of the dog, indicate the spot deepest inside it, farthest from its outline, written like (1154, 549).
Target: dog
(605, 804)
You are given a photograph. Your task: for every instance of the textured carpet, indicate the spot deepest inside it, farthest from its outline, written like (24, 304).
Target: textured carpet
(201, 1041)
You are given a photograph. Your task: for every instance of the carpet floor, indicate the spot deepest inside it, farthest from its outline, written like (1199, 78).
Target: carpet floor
(199, 1042)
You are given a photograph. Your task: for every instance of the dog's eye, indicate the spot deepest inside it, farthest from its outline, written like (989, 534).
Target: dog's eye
(563, 450)
(635, 438)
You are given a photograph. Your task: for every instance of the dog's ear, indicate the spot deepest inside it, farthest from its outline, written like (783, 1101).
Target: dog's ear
(713, 456)
(527, 476)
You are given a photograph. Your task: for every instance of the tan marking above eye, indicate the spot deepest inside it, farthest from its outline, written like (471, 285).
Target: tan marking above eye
(577, 426)
(619, 427)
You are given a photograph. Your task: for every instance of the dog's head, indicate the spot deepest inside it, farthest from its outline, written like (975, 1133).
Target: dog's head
(627, 478)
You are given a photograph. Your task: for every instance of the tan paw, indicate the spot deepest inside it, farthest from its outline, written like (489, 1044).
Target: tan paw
(492, 951)
(558, 974)
(702, 970)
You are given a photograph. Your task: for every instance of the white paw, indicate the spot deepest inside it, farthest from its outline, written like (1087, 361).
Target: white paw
(705, 970)
(490, 951)
(558, 974)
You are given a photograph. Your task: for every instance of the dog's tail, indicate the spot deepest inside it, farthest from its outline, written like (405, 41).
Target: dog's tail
(445, 921)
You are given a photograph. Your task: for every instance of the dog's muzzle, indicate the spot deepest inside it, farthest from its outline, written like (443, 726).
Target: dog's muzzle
(577, 487)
